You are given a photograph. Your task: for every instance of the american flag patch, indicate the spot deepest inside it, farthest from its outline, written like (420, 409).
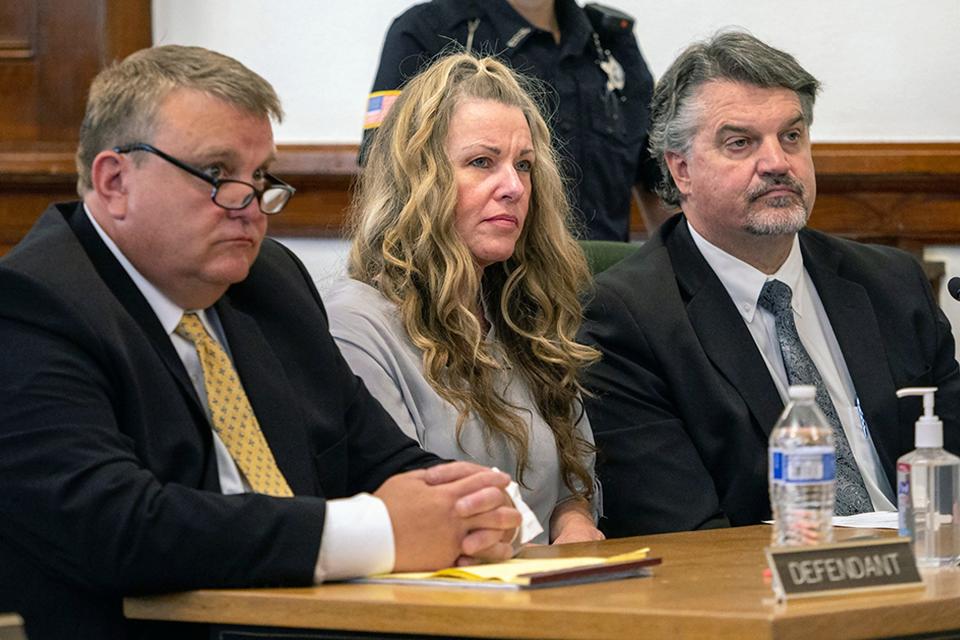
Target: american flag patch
(378, 105)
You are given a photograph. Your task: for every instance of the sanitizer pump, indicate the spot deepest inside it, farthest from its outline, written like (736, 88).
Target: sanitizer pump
(928, 489)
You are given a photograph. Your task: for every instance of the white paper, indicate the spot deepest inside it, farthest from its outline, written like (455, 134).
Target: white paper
(871, 520)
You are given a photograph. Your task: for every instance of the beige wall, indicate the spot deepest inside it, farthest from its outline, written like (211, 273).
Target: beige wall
(891, 69)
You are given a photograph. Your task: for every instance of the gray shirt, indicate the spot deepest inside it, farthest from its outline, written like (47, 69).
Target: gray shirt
(369, 332)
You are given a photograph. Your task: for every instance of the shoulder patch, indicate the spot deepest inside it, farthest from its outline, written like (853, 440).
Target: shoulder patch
(378, 105)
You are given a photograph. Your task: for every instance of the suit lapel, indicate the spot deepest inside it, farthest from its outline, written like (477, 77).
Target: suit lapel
(855, 325)
(268, 389)
(723, 335)
(126, 292)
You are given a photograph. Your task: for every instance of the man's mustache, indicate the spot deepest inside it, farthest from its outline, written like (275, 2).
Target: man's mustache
(776, 182)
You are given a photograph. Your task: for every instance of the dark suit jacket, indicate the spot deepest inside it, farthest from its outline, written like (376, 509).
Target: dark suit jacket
(684, 404)
(108, 480)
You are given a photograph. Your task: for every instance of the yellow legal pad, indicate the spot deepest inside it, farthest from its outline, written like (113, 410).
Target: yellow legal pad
(529, 573)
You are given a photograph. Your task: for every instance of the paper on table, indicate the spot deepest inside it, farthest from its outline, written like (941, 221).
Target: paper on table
(512, 574)
(870, 520)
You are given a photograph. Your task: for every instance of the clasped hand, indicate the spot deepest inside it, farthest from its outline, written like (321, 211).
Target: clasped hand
(457, 512)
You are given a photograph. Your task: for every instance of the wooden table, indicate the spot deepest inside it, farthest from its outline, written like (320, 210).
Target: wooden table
(11, 627)
(710, 584)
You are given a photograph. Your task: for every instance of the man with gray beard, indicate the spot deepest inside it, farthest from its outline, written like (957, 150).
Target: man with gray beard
(703, 329)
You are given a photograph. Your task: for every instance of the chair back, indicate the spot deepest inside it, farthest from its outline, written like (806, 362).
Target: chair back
(603, 254)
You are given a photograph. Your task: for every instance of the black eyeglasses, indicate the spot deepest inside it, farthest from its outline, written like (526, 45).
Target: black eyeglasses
(229, 194)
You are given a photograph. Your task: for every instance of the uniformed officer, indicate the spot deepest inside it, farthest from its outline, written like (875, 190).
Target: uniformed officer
(599, 93)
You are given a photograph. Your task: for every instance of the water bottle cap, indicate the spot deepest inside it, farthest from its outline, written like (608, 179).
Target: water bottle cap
(802, 392)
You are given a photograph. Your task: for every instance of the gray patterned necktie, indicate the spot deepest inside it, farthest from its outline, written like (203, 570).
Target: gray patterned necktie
(852, 496)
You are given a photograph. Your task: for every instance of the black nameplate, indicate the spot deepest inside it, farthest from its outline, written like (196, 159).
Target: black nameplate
(859, 565)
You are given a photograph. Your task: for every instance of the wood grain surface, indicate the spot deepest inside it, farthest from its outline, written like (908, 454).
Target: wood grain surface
(711, 583)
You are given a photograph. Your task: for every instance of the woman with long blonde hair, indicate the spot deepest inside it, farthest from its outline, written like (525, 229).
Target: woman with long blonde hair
(465, 284)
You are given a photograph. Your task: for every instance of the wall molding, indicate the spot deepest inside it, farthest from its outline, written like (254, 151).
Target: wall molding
(907, 194)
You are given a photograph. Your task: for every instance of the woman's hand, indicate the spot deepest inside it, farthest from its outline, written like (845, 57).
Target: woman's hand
(572, 522)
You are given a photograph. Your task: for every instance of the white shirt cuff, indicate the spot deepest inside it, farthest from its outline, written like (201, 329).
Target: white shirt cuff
(357, 539)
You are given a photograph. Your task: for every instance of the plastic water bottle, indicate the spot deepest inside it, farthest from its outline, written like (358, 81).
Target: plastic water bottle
(928, 490)
(802, 472)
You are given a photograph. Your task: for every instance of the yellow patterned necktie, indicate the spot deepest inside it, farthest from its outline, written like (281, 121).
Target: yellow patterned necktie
(231, 413)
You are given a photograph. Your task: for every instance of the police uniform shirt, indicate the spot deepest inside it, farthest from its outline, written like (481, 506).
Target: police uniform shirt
(602, 139)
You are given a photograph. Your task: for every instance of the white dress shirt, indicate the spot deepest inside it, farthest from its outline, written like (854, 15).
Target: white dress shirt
(357, 538)
(743, 283)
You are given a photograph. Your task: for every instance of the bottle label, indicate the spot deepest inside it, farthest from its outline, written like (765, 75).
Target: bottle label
(904, 505)
(903, 481)
(805, 465)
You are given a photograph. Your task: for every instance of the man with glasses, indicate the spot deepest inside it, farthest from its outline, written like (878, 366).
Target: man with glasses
(173, 411)
(229, 194)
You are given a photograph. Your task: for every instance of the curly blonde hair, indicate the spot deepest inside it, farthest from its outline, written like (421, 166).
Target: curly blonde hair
(405, 245)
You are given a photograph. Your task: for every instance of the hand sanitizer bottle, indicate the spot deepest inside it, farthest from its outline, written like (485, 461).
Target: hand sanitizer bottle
(928, 488)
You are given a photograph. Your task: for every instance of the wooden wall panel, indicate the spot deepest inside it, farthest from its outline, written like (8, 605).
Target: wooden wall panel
(49, 52)
(903, 194)
(18, 20)
(17, 69)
